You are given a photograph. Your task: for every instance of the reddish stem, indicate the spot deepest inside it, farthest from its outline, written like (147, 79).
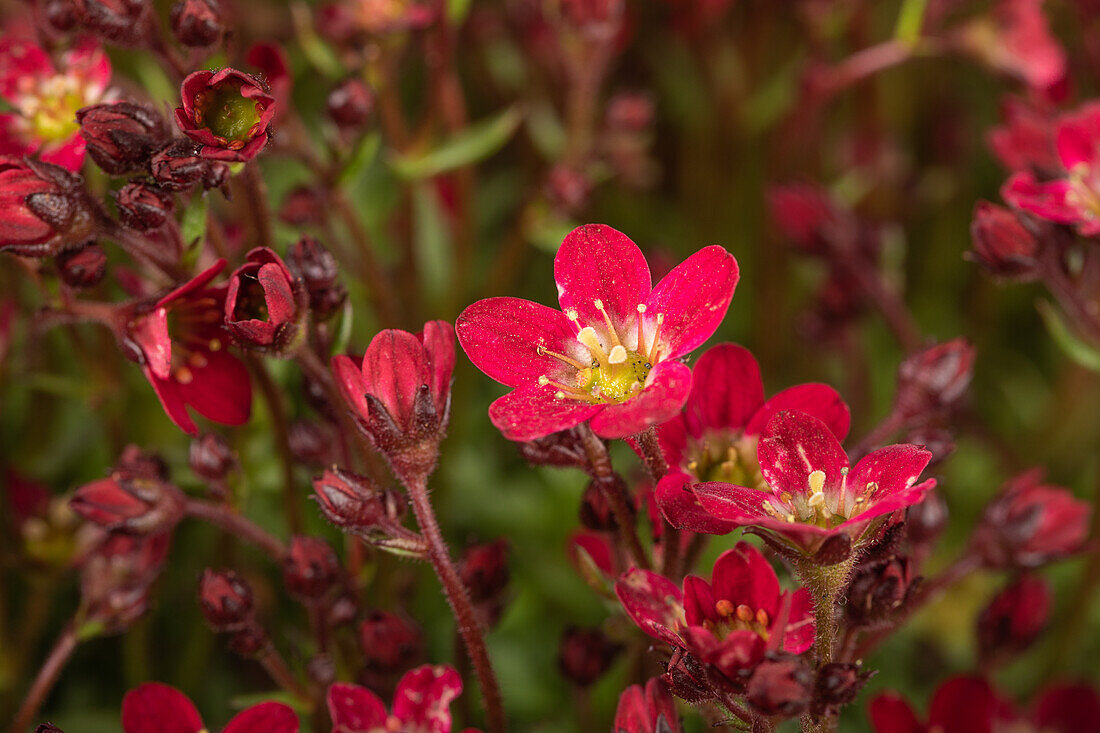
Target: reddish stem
(47, 676)
(624, 517)
(236, 525)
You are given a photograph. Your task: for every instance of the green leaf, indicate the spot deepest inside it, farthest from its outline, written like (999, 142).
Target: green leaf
(434, 250)
(316, 51)
(193, 229)
(343, 330)
(473, 145)
(910, 21)
(457, 11)
(1077, 350)
(361, 158)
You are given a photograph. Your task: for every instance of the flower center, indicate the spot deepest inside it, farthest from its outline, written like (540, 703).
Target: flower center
(191, 326)
(727, 456)
(50, 108)
(738, 618)
(1085, 190)
(613, 372)
(227, 113)
(813, 507)
(251, 301)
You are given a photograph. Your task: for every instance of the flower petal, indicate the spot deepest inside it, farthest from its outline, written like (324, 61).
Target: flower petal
(726, 389)
(267, 717)
(799, 634)
(349, 378)
(394, 367)
(168, 392)
(533, 411)
(1053, 200)
(653, 602)
(423, 699)
(502, 336)
(596, 262)
(355, 709)
(666, 390)
(792, 447)
(694, 298)
(220, 390)
(699, 601)
(21, 62)
(743, 576)
(682, 509)
(890, 713)
(439, 345)
(156, 708)
(818, 400)
(964, 705)
(888, 504)
(892, 469)
(69, 155)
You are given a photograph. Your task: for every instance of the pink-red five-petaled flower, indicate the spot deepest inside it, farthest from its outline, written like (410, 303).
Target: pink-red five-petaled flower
(227, 112)
(421, 704)
(45, 99)
(610, 355)
(156, 708)
(715, 438)
(811, 493)
(727, 623)
(648, 709)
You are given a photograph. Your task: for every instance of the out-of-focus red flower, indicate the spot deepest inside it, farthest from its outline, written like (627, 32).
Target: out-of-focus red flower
(344, 22)
(934, 378)
(420, 705)
(45, 99)
(156, 708)
(484, 570)
(211, 457)
(781, 685)
(225, 599)
(350, 104)
(611, 354)
(182, 346)
(131, 503)
(1002, 245)
(585, 654)
(1031, 523)
(1066, 708)
(960, 705)
(1024, 141)
(197, 23)
(265, 304)
(715, 438)
(1014, 618)
(648, 709)
(127, 23)
(311, 567)
(227, 112)
(389, 642)
(1016, 40)
(814, 501)
(82, 268)
(270, 59)
(726, 623)
(804, 213)
(44, 209)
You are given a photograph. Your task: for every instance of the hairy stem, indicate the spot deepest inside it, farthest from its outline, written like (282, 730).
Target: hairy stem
(624, 517)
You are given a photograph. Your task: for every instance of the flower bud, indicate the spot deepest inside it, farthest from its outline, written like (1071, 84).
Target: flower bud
(179, 167)
(115, 577)
(350, 104)
(484, 570)
(197, 23)
(352, 501)
(248, 640)
(647, 710)
(837, 684)
(1030, 523)
(227, 113)
(878, 589)
(82, 268)
(804, 214)
(389, 642)
(211, 457)
(563, 449)
(302, 206)
(1002, 245)
(59, 15)
(780, 685)
(135, 462)
(225, 599)
(630, 112)
(935, 378)
(262, 309)
(44, 208)
(1014, 619)
(48, 728)
(308, 441)
(687, 678)
(567, 189)
(317, 268)
(311, 568)
(122, 136)
(584, 655)
(595, 510)
(143, 207)
(129, 503)
(122, 22)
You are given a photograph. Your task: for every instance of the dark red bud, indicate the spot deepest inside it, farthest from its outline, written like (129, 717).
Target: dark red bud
(562, 450)
(82, 268)
(804, 214)
(309, 260)
(211, 457)
(48, 728)
(133, 461)
(44, 208)
(122, 22)
(484, 570)
(630, 112)
(584, 655)
(249, 640)
(352, 501)
(595, 511)
(309, 442)
(143, 207)
(303, 206)
(389, 642)
(60, 15)
(687, 679)
(179, 166)
(123, 136)
(838, 684)
(350, 104)
(878, 589)
(1015, 618)
(197, 23)
(1002, 245)
(261, 304)
(781, 685)
(311, 568)
(935, 378)
(129, 503)
(225, 599)
(567, 189)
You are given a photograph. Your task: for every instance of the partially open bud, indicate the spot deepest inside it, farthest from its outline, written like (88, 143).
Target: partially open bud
(180, 166)
(317, 268)
(265, 304)
(351, 501)
(878, 589)
(44, 208)
(129, 503)
(225, 599)
(687, 678)
(226, 112)
(197, 23)
(211, 457)
(350, 104)
(122, 137)
(311, 568)
(837, 684)
(122, 22)
(389, 642)
(934, 379)
(1014, 619)
(780, 685)
(1002, 245)
(584, 655)
(82, 268)
(143, 207)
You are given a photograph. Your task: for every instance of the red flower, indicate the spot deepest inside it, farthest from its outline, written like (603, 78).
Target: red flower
(46, 98)
(812, 495)
(264, 303)
(346, 21)
(960, 705)
(1014, 618)
(647, 710)
(1074, 199)
(1002, 245)
(715, 438)
(181, 345)
(1025, 138)
(1017, 41)
(156, 708)
(611, 354)
(134, 504)
(420, 705)
(227, 112)
(44, 209)
(728, 622)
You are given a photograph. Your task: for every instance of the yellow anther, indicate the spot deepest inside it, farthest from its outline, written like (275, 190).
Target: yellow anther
(214, 345)
(762, 617)
(724, 608)
(588, 337)
(184, 376)
(559, 395)
(544, 380)
(617, 355)
(744, 613)
(571, 314)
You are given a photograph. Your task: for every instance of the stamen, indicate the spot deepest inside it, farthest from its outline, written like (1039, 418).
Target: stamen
(724, 608)
(588, 337)
(560, 357)
(744, 613)
(656, 339)
(762, 617)
(640, 348)
(214, 345)
(817, 484)
(183, 375)
(572, 314)
(610, 327)
(617, 355)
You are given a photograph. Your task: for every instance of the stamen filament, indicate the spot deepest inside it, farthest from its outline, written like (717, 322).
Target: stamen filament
(610, 328)
(641, 329)
(656, 339)
(560, 357)
(588, 337)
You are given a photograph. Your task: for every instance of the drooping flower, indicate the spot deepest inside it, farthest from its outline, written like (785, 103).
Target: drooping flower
(265, 304)
(227, 112)
(727, 623)
(610, 355)
(420, 705)
(648, 709)
(156, 708)
(715, 438)
(45, 99)
(1075, 198)
(182, 346)
(811, 495)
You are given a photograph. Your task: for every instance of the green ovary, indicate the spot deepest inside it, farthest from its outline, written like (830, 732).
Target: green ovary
(617, 382)
(229, 115)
